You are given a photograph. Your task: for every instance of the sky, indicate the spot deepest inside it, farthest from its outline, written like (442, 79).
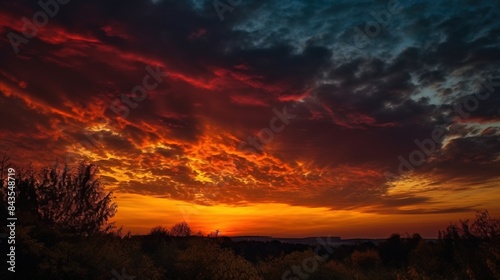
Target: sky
(276, 118)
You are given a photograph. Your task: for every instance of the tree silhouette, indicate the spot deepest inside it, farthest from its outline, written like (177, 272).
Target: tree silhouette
(484, 227)
(181, 229)
(474, 246)
(159, 231)
(73, 201)
(214, 234)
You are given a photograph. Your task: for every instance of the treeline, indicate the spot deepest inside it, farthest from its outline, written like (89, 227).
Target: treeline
(63, 232)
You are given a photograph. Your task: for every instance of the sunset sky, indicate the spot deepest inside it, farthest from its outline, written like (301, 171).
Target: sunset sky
(278, 118)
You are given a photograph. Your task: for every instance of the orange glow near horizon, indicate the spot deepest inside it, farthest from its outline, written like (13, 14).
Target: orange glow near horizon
(139, 214)
(272, 218)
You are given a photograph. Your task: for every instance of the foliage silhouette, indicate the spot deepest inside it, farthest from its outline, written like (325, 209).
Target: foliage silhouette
(159, 232)
(71, 200)
(180, 229)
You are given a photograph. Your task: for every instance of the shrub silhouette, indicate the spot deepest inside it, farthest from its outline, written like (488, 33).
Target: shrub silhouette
(91, 257)
(473, 247)
(204, 259)
(366, 260)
